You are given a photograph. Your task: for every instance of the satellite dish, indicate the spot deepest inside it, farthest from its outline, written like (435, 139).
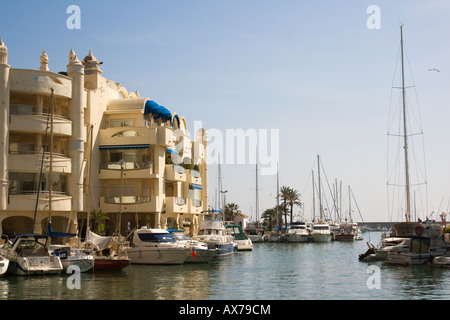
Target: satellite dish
(121, 162)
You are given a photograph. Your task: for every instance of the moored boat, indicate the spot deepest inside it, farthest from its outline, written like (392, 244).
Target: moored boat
(156, 246)
(71, 256)
(212, 231)
(28, 255)
(321, 232)
(109, 252)
(297, 232)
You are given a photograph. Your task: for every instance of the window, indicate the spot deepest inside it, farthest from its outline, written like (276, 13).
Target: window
(156, 237)
(117, 123)
(26, 182)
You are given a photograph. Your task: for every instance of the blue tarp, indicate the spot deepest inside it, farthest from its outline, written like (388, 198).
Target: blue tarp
(157, 111)
(54, 234)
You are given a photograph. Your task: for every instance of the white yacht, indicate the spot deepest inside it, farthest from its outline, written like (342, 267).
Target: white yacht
(156, 246)
(69, 256)
(212, 230)
(199, 251)
(321, 232)
(297, 232)
(28, 255)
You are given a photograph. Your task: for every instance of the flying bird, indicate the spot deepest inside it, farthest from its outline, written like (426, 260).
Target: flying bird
(433, 70)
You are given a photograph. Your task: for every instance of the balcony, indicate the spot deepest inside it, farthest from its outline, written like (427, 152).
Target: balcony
(40, 82)
(175, 172)
(193, 176)
(31, 162)
(23, 202)
(195, 206)
(37, 123)
(128, 136)
(176, 204)
(132, 170)
(131, 204)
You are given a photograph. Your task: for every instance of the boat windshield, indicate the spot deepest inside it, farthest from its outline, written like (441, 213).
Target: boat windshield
(155, 237)
(321, 227)
(180, 236)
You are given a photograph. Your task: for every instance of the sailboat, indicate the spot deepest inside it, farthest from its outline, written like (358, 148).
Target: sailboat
(348, 230)
(425, 238)
(320, 230)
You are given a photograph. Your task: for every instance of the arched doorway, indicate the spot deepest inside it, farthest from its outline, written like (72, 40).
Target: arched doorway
(17, 224)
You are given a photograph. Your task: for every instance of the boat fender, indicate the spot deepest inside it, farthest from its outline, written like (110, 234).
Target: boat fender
(193, 254)
(419, 230)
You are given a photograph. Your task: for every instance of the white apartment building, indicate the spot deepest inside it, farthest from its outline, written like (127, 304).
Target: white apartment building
(107, 149)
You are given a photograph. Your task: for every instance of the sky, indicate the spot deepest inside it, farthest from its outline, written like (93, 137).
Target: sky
(312, 77)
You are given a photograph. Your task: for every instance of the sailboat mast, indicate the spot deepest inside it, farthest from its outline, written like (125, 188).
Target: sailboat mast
(405, 135)
(320, 191)
(257, 196)
(50, 175)
(314, 197)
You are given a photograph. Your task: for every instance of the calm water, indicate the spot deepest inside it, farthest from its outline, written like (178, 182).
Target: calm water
(272, 271)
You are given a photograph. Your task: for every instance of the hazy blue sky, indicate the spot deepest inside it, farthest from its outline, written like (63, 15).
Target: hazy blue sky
(311, 69)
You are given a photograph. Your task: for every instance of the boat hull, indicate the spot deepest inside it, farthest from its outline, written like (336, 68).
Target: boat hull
(4, 264)
(110, 264)
(36, 266)
(226, 249)
(201, 256)
(84, 265)
(321, 237)
(158, 255)
(296, 237)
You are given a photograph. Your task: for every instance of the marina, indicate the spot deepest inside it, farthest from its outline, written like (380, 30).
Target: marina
(285, 271)
(170, 191)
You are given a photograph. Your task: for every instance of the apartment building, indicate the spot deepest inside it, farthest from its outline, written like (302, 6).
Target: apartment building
(73, 142)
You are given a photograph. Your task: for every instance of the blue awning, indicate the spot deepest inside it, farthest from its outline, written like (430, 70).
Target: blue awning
(173, 151)
(127, 146)
(196, 186)
(157, 111)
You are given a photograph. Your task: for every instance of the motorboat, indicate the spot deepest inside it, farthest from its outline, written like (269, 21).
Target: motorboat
(28, 254)
(199, 250)
(424, 246)
(243, 242)
(156, 246)
(297, 232)
(72, 256)
(212, 231)
(321, 232)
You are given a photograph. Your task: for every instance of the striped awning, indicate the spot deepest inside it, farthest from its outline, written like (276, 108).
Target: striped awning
(196, 186)
(127, 146)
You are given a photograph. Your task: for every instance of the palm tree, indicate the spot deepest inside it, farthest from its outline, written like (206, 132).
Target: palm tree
(231, 211)
(270, 215)
(285, 192)
(98, 216)
(291, 197)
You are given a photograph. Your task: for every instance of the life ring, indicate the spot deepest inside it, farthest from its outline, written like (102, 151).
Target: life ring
(419, 230)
